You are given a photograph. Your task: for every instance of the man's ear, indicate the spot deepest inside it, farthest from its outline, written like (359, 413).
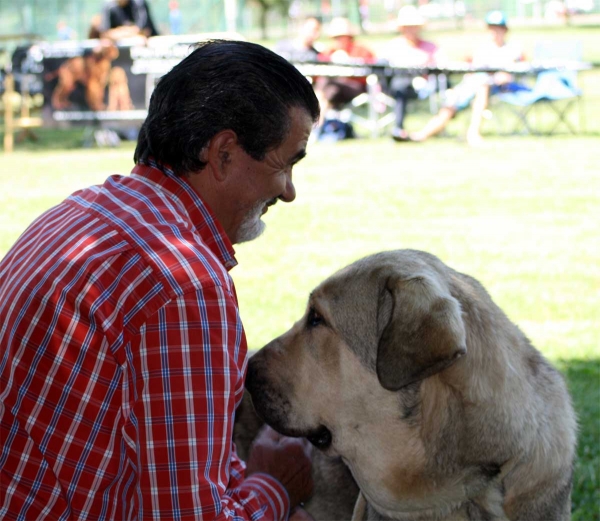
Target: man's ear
(218, 153)
(425, 332)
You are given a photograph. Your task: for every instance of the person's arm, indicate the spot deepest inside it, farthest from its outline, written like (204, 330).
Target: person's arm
(150, 28)
(363, 53)
(516, 55)
(370, 56)
(437, 57)
(104, 23)
(188, 369)
(122, 32)
(143, 18)
(110, 28)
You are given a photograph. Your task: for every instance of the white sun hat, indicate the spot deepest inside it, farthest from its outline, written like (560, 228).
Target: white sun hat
(341, 27)
(409, 15)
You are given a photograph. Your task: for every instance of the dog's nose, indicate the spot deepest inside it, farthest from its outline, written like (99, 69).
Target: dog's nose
(321, 438)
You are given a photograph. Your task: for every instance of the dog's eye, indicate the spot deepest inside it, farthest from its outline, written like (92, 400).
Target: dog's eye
(314, 319)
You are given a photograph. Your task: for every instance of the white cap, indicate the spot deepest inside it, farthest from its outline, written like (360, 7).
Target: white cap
(341, 27)
(410, 15)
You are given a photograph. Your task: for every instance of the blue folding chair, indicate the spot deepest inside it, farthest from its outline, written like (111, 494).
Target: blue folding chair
(555, 91)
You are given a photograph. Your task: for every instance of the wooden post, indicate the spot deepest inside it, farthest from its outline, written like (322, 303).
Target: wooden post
(9, 91)
(26, 123)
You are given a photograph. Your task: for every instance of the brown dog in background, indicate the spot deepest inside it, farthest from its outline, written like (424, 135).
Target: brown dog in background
(91, 70)
(407, 372)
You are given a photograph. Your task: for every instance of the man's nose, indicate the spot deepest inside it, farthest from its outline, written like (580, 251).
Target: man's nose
(289, 193)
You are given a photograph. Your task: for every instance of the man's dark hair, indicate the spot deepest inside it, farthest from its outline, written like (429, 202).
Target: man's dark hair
(222, 85)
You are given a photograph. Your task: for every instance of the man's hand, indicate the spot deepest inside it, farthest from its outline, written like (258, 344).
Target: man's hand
(299, 514)
(286, 459)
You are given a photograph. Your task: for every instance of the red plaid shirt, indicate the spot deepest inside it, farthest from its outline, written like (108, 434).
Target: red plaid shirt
(122, 361)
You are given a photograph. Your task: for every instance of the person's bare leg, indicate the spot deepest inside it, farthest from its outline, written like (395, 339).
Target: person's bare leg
(324, 105)
(480, 103)
(435, 125)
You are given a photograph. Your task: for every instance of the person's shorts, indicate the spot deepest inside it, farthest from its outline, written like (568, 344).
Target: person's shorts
(340, 91)
(460, 97)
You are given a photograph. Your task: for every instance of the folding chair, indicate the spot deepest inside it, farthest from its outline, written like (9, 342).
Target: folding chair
(379, 105)
(554, 94)
(556, 90)
(379, 108)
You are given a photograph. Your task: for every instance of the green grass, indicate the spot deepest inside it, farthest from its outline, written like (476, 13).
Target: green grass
(520, 214)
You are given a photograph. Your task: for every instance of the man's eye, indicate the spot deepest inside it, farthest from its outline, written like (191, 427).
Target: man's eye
(314, 319)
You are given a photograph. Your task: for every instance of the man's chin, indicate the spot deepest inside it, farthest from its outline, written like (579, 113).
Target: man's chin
(250, 231)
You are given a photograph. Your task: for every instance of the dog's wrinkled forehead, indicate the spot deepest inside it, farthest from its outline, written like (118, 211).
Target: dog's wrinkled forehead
(358, 301)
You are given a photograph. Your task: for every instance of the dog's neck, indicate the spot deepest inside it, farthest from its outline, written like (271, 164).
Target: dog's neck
(487, 505)
(425, 515)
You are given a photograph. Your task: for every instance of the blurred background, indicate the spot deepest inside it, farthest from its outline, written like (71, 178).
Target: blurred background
(276, 18)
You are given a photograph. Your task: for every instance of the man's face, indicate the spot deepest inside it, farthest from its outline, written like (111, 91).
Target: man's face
(411, 32)
(256, 185)
(498, 34)
(311, 30)
(344, 42)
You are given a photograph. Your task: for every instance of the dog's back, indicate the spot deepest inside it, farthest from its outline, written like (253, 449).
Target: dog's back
(527, 423)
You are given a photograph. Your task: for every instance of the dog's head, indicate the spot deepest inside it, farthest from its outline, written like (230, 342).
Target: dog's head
(348, 374)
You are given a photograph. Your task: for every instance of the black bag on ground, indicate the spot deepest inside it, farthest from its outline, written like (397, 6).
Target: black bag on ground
(336, 130)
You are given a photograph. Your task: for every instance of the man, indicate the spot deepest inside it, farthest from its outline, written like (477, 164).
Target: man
(497, 53)
(409, 49)
(335, 92)
(125, 19)
(302, 48)
(123, 353)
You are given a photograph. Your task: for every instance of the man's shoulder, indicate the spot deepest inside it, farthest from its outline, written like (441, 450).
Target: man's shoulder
(428, 46)
(360, 50)
(159, 228)
(110, 248)
(361, 47)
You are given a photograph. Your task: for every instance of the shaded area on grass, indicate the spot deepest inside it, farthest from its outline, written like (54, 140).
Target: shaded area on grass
(48, 139)
(583, 378)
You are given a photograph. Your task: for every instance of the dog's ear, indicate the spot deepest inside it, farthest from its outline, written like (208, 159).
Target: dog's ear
(423, 335)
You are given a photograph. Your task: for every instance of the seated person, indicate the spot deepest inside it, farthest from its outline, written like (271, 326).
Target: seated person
(477, 87)
(409, 50)
(335, 92)
(302, 48)
(125, 19)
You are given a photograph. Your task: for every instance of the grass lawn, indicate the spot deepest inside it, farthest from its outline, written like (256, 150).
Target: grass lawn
(520, 214)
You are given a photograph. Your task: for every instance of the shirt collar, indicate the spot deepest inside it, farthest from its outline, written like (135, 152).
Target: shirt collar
(198, 212)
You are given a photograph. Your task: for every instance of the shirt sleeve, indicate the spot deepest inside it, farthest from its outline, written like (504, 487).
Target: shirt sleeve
(436, 56)
(143, 18)
(105, 18)
(237, 470)
(189, 368)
